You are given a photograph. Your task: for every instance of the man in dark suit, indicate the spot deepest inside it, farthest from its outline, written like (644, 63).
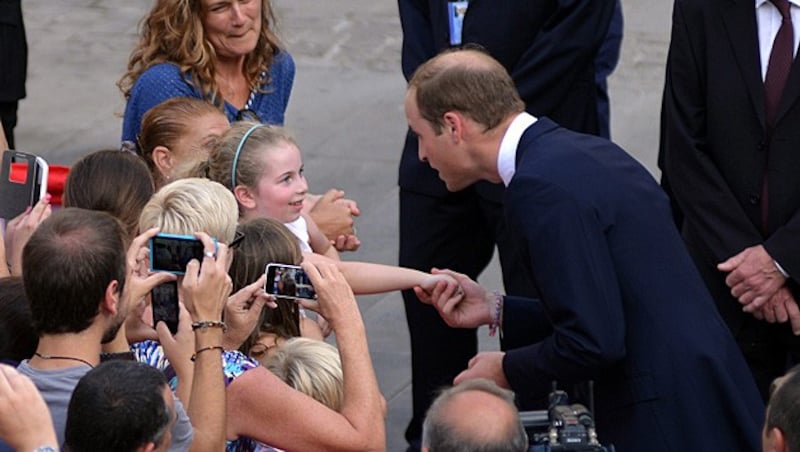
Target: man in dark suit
(548, 47)
(621, 301)
(729, 152)
(13, 64)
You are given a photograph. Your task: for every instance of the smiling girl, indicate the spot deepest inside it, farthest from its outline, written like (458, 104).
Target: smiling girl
(263, 168)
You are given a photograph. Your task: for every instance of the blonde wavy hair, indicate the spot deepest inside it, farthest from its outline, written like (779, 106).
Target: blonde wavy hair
(312, 367)
(173, 32)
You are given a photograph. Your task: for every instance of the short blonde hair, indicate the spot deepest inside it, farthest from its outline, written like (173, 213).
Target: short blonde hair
(312, 367)
(192, 205)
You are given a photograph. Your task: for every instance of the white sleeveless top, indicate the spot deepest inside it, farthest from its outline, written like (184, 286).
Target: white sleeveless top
(299, 228)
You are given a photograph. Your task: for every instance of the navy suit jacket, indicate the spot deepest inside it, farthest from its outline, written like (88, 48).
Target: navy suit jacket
(626, 304)
(548, 47)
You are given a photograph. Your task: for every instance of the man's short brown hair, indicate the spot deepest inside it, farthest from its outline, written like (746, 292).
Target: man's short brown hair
(468, 81)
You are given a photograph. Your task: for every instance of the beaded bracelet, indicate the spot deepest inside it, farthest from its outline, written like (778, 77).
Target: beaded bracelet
(204, 349)
(497, 320)
(203, 325)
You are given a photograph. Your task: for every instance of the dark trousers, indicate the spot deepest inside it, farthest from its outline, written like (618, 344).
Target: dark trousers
(769, 349)
(459, 232)
(8, 117)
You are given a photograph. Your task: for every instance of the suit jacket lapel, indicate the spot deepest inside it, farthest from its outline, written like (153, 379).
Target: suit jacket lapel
(740, 22)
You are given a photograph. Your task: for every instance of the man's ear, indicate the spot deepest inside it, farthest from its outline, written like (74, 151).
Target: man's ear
(149, 447)
(774, 441)
(453, 125)
(111, 298)
(244, 196)
(162, 158)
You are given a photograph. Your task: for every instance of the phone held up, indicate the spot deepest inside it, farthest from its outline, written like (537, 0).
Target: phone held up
(288, 281)
(170, 252)
(23, 181)
(164, 299)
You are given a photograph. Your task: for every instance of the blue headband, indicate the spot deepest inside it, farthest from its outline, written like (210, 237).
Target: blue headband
(238, 151)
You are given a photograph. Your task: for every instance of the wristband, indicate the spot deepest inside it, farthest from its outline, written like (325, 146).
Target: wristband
(204, 325)
(205, 349)
(497, 318)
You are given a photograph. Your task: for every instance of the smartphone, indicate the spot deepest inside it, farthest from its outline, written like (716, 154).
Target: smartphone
(23, 182)
(171, 252)
(164, 299)
(288, 281)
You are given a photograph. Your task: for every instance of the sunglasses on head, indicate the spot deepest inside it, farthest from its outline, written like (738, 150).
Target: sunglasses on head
(237, 240)
(247, 114)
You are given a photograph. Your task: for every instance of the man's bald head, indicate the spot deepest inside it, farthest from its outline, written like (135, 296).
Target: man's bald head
(476, 415)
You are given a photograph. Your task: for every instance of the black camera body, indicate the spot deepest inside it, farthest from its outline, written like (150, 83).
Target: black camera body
(563, 427)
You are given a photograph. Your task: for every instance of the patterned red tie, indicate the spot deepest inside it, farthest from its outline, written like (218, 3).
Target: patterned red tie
(780, 63)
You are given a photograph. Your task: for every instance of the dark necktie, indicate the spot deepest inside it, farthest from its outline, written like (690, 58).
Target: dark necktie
(780, 63)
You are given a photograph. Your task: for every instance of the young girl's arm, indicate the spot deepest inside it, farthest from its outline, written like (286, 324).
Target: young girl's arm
(318, 242)
(367, 278)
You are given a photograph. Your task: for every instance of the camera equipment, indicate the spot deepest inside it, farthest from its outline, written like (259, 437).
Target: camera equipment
(563, 427)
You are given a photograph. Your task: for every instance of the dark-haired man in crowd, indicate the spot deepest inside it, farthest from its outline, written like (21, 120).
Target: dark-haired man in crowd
(75, 270)
(80, 284)
(124, 406)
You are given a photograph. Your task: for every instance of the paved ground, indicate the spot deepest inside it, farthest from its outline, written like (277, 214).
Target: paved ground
(346, 110)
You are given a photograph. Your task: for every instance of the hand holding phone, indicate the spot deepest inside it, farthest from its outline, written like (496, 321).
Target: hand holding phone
(288, 281)
(23, 182)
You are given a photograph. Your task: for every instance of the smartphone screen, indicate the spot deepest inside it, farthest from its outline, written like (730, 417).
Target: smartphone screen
(170, 252)
(164, 299)
(288, 281)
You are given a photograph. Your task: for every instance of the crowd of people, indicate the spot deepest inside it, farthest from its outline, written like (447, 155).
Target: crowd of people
(674, 304)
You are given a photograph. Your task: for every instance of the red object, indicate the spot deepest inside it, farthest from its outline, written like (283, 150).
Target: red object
(56, 179)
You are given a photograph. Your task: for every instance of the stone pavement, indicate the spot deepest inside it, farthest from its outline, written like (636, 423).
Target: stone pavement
(346, 111)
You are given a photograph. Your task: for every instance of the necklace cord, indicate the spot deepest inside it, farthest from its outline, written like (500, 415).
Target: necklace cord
(69, 358)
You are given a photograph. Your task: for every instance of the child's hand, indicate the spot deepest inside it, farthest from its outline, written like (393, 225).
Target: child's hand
(445, 282)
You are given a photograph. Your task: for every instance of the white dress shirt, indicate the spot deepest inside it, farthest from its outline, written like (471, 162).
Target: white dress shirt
(768, 19)
(506, 158)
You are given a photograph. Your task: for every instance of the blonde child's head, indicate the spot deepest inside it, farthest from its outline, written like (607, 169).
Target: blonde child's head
(192, 205)
(312, 367)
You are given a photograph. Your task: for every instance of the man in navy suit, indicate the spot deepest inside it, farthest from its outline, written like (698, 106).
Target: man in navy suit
(621, 301)
(549, 48)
